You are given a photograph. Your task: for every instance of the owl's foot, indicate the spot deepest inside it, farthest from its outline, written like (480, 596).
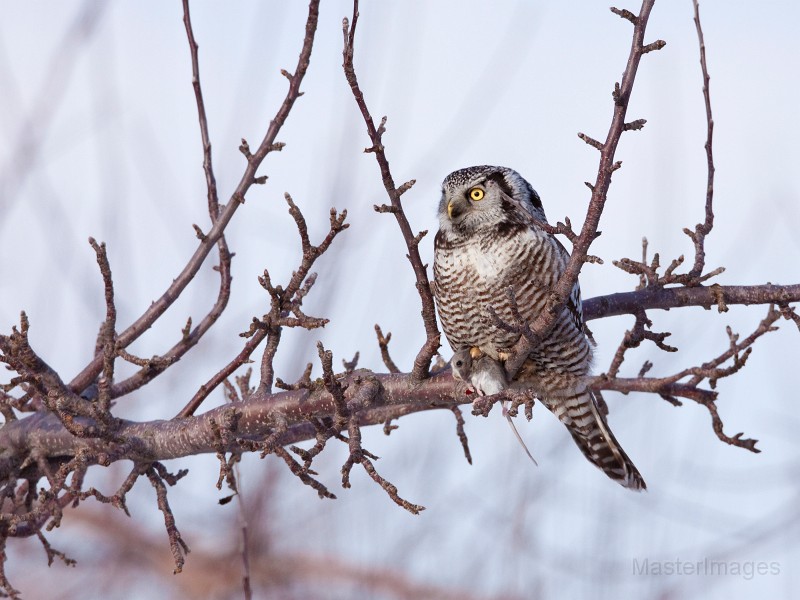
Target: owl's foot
(475, 352)
(503, 356)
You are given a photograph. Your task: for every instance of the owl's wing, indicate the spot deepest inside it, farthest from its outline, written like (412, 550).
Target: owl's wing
(575, 307)
(574, 304)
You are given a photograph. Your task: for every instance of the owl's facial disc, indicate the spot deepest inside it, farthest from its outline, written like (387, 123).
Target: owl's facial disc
(460, 204)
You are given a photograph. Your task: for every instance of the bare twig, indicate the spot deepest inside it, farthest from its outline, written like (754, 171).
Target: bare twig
(636, 336)
(462, 435)
(432, 343)
(190, 337)
(245, 544)
(383, 342)
(790, 314)
(695, 275)
(686, 383)
(625, 14)
(108, 335)
(346, 416)
(157, 308)
(158, 476)
(703, 229)
(285, 308)
(303, 383)
(211, 182)
(350, 365)
(562, 290)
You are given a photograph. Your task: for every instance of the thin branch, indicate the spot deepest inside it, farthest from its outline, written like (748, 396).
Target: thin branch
(304, 383)
(383, 342)
(221, 376)
(625, 14)
(703, 229)
(283, 301)
(432, 343)
(157, 308)
(562, 290)
(634, 337)
(211, 182)
(685, 383)
(190, 338)
(461, 433)
(158, 476)
(790, 314)
(108, 335)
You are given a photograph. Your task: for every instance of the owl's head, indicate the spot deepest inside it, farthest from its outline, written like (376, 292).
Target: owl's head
(480, 198)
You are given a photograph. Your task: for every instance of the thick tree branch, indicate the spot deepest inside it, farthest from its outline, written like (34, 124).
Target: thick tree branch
(708, 297)
(399, 395)
(259, 415)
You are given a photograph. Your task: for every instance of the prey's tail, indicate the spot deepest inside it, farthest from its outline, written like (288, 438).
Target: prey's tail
(516, 433)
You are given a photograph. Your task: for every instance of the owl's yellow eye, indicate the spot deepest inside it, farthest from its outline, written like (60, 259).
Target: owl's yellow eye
(476, 194)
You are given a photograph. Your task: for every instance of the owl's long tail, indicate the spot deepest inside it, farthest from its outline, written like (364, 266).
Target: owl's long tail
(582, 417)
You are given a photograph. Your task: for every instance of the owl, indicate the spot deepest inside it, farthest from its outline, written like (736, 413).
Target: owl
(488, 377)
(487, 242)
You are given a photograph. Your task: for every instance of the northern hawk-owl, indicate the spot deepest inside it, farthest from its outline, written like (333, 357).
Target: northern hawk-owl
(486, 243)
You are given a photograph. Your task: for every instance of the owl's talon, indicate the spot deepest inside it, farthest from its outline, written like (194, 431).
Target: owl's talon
(475, 352)
(503, 356)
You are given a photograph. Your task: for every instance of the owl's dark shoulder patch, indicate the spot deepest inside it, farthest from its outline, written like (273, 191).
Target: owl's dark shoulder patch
(535, 200)
(499, 179)
(510, 227)
(501, 182)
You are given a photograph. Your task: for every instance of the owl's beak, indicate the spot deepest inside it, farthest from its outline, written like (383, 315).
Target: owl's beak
(454, 208)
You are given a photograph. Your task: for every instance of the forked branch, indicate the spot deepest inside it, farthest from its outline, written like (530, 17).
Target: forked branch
(267, 145)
